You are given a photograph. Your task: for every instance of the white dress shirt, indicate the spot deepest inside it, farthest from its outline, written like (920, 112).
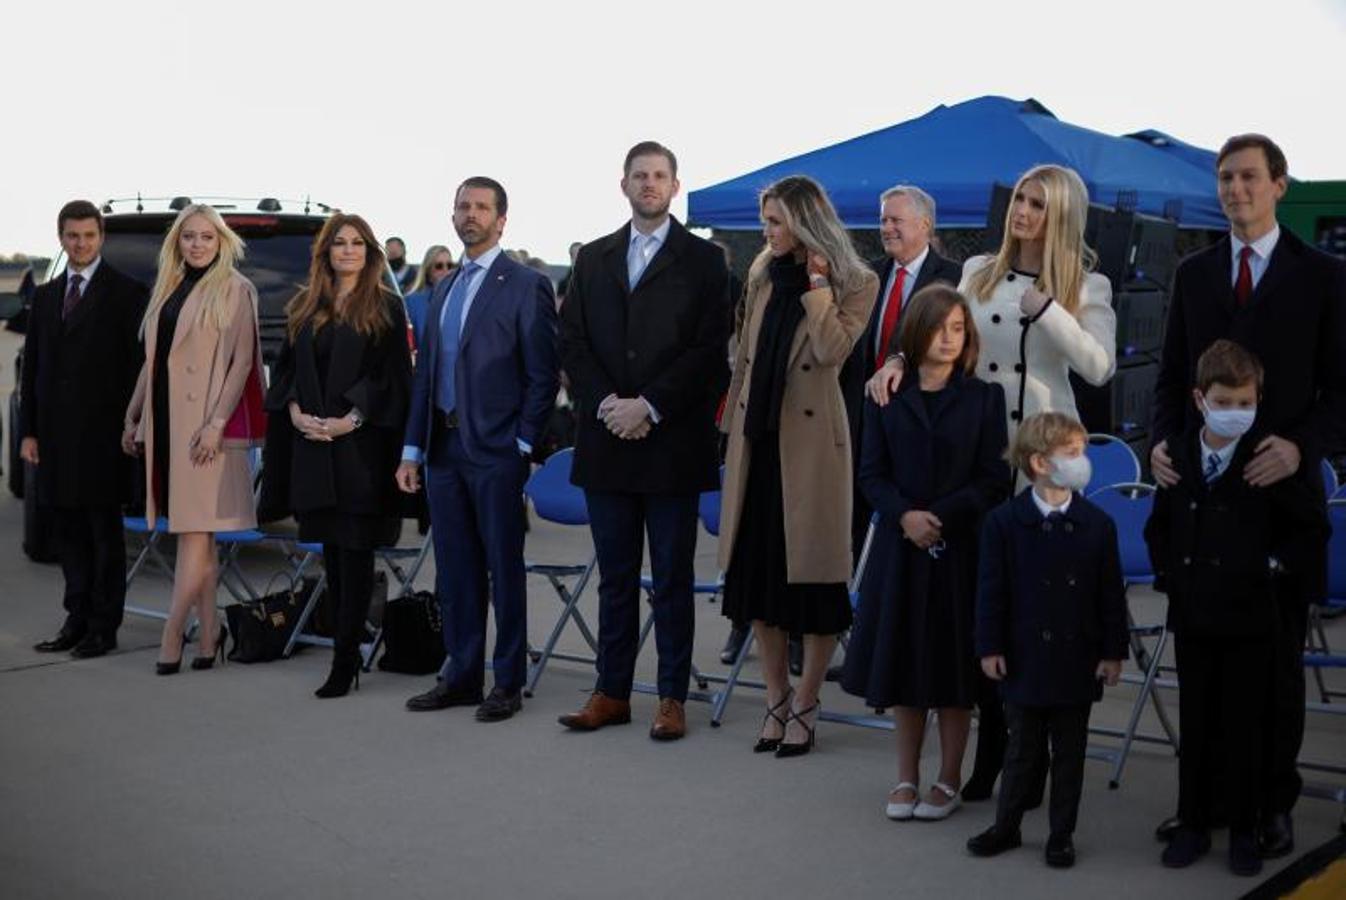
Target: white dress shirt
(1222, 457)
(1046, 508)
(1261, 255)
(85, 274)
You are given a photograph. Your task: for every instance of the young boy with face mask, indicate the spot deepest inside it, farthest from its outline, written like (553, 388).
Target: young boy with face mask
(1218, 544)
(1051, 627)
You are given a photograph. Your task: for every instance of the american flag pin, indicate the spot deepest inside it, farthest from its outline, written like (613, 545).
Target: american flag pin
(500, 278)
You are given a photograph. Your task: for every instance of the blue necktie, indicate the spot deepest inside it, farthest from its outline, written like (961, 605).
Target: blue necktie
(449, 336)
(1212, 467)
(637, 261)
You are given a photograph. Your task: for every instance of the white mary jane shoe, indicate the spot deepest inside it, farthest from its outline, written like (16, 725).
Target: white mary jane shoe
(928, 812)
(901, 812)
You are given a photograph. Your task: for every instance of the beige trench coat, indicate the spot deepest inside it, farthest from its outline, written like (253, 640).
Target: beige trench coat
(207, 371)
(815, 450)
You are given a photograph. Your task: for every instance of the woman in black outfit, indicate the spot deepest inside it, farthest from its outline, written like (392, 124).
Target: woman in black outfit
(344, 378)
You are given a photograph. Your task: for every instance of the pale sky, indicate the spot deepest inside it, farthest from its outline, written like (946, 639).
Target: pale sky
(382, 108)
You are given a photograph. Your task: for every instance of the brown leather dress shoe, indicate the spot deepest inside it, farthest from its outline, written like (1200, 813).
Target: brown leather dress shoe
(600, 710)
(670, 723)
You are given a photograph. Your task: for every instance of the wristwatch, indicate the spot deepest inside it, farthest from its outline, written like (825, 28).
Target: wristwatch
(356, 419)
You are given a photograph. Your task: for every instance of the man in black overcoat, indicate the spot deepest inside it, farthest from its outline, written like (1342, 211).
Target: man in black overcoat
(1264, 288)
(81, 357)
(644, 330)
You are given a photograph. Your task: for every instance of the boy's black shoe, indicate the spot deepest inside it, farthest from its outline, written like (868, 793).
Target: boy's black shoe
(994, 841)
(1276, 837)
(1243, 855)
(1060, 851)
(1188, 845)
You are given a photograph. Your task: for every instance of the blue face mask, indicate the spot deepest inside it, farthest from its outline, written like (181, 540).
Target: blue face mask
(1071, 472)
(1228, 423)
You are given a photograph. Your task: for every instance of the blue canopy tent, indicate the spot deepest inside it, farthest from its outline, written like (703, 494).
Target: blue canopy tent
(957, 153)
(1203, 159)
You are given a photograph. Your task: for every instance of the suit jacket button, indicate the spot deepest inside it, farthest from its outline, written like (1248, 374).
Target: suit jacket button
(1192, 505)
(1019, 367)
(994, 367)
(1047, 635)
(995, 318)
(1009, 276)
(630, 354)
(1016, 415)
(1070, 527)
(1071, 581)
(808, 412)
(191, 369)
(805, 367)
(1024, 320)
(191, 398)
(1187, 560)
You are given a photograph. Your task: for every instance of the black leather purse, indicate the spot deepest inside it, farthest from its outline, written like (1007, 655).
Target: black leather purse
(262, 627)
(413, 635)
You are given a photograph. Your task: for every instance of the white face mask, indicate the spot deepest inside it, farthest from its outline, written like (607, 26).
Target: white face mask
(1228, 423)
(1071, 472)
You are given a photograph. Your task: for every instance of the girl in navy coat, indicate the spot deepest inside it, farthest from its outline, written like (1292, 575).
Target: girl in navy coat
(931, 465)
(1051, 627)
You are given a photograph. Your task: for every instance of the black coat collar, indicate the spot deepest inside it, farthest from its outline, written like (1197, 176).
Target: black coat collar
(616, 244)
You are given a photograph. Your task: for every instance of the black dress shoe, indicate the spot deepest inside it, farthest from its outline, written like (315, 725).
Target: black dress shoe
(93, 645)
(499, 705)
(1243, 854)
(1187, 846)
(1276, 837)
(1167, 829)
(994, 841)
(1060, 852)
(733, 645)
(66, 640)
(441, 696)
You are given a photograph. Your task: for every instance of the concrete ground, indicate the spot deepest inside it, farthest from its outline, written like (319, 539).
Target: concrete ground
(115, 783)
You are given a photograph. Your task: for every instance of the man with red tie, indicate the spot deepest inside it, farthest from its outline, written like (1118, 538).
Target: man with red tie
(1264, 288)
(906, 223)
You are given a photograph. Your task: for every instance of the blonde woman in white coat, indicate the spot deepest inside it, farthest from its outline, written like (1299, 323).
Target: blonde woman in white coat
(1041, 314)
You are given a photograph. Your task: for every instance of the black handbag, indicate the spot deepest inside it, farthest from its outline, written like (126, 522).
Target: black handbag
(262, 627)
(413, 635)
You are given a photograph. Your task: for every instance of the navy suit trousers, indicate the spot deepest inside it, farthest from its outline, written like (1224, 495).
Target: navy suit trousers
(620, 522)
(477, 517)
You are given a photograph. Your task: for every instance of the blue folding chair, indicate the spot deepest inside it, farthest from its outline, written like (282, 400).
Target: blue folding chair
(1129, 504)
(555, 499)
(150, 555)
(1330, 482)
(1113, 462)
(1317, 647)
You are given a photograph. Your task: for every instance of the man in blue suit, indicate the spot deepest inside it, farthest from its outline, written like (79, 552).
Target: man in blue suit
(485, 384)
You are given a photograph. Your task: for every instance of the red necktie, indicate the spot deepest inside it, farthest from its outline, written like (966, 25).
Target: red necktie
(890, 314)
(1243, 287)
(71, 296)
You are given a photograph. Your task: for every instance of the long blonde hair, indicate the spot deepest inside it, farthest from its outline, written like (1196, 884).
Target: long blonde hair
(214, 285)
(1065, 257)
(423, 273)
(810, 216)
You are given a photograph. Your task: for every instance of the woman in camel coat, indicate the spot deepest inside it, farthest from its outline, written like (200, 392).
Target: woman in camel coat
(785, 522)
(196, 412)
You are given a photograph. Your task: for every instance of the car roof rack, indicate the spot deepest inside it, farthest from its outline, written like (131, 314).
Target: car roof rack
(306, 206)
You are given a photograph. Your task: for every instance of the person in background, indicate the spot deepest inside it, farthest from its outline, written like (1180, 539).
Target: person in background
(1285, 302)
(564, 284)
(932, 466)
(339, 392)
(196, 412)
(403, 272)
(81, 356)
(438, 263)
(1051, 628)
(645, 389)
(785, 538)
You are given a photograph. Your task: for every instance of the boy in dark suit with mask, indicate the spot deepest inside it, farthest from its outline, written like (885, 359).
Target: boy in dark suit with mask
(1219, 545)
(1051, 627)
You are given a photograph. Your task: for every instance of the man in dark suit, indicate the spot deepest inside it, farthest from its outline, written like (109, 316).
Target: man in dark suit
(485, 385)
(1267, 290)
(644, 332)
(81, 358)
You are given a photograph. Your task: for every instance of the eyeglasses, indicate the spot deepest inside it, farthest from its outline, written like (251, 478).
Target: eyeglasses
(441, 265)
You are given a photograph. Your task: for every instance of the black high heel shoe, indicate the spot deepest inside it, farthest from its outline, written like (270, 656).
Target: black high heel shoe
(207, 662)
(786, 750)
(339, 680)
(769, 745)
(167, 668)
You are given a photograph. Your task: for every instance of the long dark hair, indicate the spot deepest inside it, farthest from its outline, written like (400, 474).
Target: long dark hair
(366, 310)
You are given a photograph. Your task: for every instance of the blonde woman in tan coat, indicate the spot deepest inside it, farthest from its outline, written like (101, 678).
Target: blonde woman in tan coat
(196, 412)
(785, 531)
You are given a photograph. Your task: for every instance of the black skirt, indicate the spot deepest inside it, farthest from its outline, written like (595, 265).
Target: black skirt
(755, 587)
(353, 532)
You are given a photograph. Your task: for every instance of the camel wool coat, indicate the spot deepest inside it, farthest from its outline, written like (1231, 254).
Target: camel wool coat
(208, 369)
(815, 443)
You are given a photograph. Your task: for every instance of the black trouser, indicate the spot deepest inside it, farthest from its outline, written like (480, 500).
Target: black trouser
(991, 733)
(92, 550)
(1285, 724)
(1030, 728)
(350, 581)
(1224, 689)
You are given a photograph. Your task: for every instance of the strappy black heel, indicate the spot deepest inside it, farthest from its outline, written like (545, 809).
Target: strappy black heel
(770, 745)
(785, 750)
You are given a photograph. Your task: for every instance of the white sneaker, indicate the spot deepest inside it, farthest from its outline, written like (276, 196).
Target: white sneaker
(901, 812)
(928, 812)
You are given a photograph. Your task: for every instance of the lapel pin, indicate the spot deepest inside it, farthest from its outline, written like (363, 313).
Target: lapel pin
(500, 278)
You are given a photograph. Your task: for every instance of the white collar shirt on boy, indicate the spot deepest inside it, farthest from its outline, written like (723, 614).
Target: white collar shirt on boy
(1215, 462)
(1046, 508)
